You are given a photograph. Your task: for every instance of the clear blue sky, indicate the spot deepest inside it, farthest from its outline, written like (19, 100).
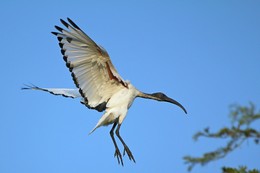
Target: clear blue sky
(205, 54)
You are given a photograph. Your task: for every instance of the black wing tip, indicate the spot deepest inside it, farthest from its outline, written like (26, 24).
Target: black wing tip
(58, 28)
(59, 38)
(62, 51)
(64, 23)
(28, 87)
(61, 45)
(72, 23)
(25, 88)
(65, 58)
(68, 65)
(55, 33)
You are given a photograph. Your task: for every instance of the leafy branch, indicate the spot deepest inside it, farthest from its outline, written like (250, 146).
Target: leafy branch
(241, 169)
(240, 130)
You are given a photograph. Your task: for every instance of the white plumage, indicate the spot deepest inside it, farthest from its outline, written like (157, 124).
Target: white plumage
(99, 85)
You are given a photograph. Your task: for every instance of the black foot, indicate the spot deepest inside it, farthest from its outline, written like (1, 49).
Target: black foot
(129, 153)
(119, 157)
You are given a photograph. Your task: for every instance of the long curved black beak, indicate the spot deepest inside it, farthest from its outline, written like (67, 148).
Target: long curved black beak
(161, 97)
(170, 100)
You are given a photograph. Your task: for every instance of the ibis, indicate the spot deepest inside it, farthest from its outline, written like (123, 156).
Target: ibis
(98, 84)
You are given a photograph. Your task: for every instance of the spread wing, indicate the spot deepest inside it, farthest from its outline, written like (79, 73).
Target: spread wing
(65, 92)
(90, 66)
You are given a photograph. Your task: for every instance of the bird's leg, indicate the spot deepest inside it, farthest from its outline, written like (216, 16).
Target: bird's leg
(117, 152)
(126, 148)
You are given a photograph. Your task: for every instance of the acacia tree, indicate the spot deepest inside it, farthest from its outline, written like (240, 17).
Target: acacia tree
(239, 131)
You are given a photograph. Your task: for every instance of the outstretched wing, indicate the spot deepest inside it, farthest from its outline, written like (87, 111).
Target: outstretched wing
(65, 92)
(90, 66)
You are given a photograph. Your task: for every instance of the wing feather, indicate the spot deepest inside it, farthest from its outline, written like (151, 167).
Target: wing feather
(90, 66)
(65, 92)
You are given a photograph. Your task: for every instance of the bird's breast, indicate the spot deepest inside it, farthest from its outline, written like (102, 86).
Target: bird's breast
(122, 98)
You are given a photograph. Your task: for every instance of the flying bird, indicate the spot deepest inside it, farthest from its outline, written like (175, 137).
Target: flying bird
(99, 85)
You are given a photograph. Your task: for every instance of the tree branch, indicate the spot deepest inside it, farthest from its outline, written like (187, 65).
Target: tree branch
(241, 119)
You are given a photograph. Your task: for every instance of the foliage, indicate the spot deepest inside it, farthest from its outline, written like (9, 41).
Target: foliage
(242, 169)
(240, 130)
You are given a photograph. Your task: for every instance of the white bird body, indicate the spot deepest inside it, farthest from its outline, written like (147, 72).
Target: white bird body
(117, 106)
(99, 85)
